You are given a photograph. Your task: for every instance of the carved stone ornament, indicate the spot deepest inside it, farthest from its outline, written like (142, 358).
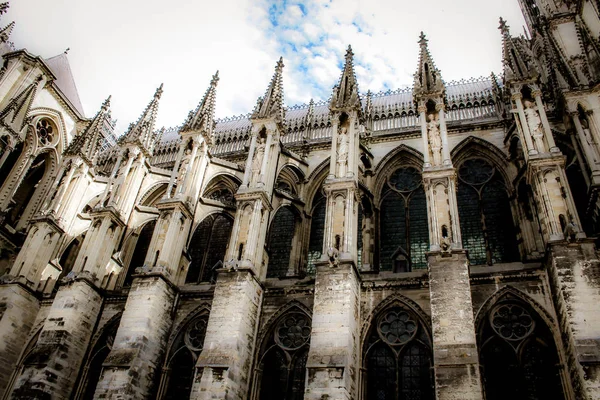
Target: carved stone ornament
(333, 256)
(512, 322)
(397, 327)
(195, 333)
(293, 331)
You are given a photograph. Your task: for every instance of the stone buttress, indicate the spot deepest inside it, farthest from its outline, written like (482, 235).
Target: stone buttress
(455, 355)
(334, 349)
(223, 369)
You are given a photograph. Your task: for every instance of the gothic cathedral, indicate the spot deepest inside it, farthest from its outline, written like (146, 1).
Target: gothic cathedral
(436, 242)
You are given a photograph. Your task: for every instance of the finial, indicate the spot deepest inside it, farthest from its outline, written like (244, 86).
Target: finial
(280, 65)
(503, 26)
(349, 53)
(67, 50)
(158, 92)
(422, 39)
(215, 79)
(106, 103)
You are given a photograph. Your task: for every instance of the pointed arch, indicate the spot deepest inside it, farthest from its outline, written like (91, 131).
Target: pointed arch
(401, 156)
(154, 193)
(283, 241)
(474, 147)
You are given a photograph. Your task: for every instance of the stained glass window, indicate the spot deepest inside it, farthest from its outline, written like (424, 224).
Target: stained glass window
(486, 220)
(141, 249)
(317, 230)
(404, 230)
(518, 348)
(207, 247)
(398, 362)
(281, 236)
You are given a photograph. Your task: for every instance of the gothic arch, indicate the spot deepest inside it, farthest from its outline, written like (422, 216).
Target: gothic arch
(316, 179)
(35, 114)
(401, 156)
(154, 193)
(474, 147)
(203, 308)
(289, 178)
(221, 178)
(269, 323)
(395, 299)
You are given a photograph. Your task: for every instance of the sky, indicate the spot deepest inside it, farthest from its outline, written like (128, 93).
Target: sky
(127, 48)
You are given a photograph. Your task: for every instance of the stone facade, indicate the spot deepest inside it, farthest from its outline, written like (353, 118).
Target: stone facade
(436, 242)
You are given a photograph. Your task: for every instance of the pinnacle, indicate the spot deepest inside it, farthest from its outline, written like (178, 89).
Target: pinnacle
(106, 103)
(504, 28)
(349, 54)
(158, 92)
(423, 40)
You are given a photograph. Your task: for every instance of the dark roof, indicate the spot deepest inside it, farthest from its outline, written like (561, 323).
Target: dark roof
(64, 79)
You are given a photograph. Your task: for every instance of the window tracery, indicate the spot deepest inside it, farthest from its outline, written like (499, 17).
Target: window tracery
(46, 131)
(404, 232)
(485, 216)
(281, 238)
(398, 358)
(284, 359)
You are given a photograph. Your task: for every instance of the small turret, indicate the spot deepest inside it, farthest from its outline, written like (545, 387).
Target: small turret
(87, 143)
(428, 79)
(142, 132)
(345, 93)
(271, 104)
(202, 119)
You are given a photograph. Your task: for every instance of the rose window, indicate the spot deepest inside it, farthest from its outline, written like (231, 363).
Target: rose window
(45, 131)
(397, 327)
(476, 171)
(293, 331)
(195, 334)
(512, 322)
(405, 179)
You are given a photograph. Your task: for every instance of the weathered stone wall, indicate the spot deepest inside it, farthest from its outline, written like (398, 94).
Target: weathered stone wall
(223, 368)
(334, 348)
(456, 360)
(58, 355)
(134, 362)
(18, 311)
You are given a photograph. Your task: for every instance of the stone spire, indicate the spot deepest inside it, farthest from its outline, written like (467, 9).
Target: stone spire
(271, 104)
(14, 115)
(345, 93)
(142, 132)
(516, 57)
(428, 79)
(202, 119)
(87, 143)
(5, 33)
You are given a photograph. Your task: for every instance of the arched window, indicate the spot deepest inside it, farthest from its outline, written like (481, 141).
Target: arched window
(26, 189)
(486, 220)
(317, 232)
(207, 247)
(518, 355)
(182, 360)
(398, 358)
(96, 358)
(140, 252)
(68, 257)
(281, 237)
(283, 361)
(403, 232)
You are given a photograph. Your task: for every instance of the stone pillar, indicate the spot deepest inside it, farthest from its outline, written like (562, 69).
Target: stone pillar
(455, 355)
(423, 119)
(522, 121)
(537, 94)
(444, 134)
(575, 282)
(130, 369)
(63, 342)
(18, 309)
(224, 366)
(334, 353)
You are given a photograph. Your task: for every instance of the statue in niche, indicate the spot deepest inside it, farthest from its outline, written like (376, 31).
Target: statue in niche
(435, 139)
(534, 123)
(259, 154)
(585, 125)
(183, 167)
(342, 151)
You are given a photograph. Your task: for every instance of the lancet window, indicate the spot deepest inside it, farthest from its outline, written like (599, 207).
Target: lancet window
(398, 359)
(517, 348)
(282, 365)
(140, 252)
(281, 239)
(317, 232)
(178, 374)
(26, 189)
(485, 216)
(404, 233)
(207, 247)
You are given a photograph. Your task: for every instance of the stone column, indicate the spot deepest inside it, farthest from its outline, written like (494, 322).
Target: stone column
(574, 279)
(516, 97)
(444, 134)
(224, 366)
(455, 355)
(62, 344)
(19, 307)
(590, 152)
(248, 169)
(537, 94)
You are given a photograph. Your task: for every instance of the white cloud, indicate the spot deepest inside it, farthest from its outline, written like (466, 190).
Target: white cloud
(128, 47)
